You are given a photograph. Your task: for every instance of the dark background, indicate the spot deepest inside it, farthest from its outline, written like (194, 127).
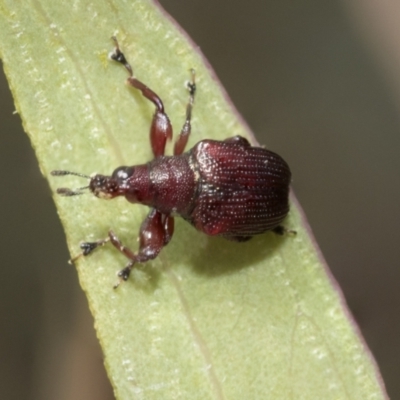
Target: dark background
(311, 86)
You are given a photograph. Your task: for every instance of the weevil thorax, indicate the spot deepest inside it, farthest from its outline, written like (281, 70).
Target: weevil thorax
(166, 183)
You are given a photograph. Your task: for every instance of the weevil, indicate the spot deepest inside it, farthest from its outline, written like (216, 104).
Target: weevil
(223, 188)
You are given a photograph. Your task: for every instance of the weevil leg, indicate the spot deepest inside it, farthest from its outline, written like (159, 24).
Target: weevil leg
(238, 139)
(183, 137)
(281, 230)
(155, 232)
(161, 128)
(88, 247)
(238, 238)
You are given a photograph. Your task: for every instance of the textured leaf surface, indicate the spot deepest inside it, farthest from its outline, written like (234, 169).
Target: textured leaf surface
(209, 319)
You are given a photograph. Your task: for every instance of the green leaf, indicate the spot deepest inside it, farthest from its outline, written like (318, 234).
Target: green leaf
(209, 319)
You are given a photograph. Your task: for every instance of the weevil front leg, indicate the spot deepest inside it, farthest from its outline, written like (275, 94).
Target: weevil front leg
(161, 128)
(155, 232)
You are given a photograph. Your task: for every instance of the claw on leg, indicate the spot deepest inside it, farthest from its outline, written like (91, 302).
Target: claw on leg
(88, 247)
(118, 55)
(124, 274)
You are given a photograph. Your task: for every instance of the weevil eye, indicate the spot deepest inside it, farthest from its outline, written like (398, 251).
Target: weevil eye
(122, 173)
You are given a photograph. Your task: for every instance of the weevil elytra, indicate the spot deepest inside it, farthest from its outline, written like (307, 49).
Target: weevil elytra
(223, 188)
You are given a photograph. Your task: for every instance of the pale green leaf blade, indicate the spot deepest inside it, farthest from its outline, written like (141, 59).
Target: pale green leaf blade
(215, 319)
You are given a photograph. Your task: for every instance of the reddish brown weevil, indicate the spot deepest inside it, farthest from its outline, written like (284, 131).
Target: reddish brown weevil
(223, 188)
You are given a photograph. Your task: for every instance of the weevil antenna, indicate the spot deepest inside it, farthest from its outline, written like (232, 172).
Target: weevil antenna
(63, 173)
(69, 192)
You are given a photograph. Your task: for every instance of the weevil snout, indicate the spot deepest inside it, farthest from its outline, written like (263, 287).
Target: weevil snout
(108, 187)
(102, 186)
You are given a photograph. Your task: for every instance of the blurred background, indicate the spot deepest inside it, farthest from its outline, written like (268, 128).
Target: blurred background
(319, 83)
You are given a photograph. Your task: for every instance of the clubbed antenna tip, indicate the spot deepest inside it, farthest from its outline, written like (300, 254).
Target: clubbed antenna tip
(69, 192)
(66, 191)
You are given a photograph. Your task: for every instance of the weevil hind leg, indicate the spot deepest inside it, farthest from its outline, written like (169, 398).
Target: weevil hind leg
(238, 238)
(281, 230)
(239, 140)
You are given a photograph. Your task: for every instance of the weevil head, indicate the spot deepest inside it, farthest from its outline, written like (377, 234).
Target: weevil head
(108, 187)
(102, 186)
